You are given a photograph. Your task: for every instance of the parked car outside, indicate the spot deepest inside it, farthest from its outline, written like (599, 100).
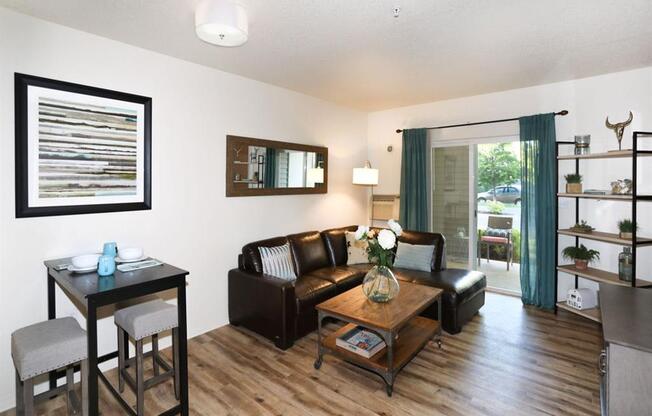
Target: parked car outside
(506, 194)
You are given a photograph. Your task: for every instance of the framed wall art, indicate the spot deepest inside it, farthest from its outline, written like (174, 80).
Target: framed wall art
(80, 149)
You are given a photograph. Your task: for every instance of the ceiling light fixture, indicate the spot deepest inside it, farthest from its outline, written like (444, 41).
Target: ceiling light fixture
(221, 22)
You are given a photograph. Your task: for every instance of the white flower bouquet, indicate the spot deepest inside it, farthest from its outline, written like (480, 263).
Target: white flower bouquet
(380, 247)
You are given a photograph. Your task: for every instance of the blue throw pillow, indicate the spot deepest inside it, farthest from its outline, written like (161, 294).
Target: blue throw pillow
(414, 257)
(496, 232)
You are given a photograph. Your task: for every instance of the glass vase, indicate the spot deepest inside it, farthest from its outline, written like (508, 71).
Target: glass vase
(380, 284)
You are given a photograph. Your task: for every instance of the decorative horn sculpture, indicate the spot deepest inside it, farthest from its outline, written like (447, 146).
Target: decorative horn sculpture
(619, 128)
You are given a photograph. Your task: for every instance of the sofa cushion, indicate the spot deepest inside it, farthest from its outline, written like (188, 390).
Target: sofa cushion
(335, 242)
(311, 290)
(414, 256)
(462, 284)
(428, 239)
(277, 261)
(356, 250)
(308, 252)
(251, 256)
(343, 276)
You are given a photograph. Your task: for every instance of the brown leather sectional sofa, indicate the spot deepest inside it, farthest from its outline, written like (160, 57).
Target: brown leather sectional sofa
(284, 311)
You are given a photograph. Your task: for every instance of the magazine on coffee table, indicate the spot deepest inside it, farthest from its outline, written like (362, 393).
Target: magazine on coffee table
(361, 341)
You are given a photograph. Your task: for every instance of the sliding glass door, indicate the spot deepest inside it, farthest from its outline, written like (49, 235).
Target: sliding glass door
(476, 206)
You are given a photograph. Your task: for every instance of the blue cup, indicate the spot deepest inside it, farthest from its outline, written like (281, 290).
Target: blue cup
(106, 265)
(110, 249)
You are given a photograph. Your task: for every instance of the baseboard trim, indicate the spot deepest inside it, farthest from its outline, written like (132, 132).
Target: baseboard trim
(503, 291)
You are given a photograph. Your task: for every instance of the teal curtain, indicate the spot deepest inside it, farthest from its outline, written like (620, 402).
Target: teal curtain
(538, 176)
(415, 180)
(269, 178)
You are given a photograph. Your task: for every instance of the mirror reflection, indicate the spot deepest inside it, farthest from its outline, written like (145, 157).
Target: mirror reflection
(267, 167)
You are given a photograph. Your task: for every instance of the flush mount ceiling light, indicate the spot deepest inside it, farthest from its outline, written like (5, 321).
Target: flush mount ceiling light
(221, 22)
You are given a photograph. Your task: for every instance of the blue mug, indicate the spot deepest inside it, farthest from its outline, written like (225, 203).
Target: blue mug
(110, 249)
(106, 265)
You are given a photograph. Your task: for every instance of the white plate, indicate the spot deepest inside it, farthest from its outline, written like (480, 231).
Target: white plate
(119, 260)
(73, 269)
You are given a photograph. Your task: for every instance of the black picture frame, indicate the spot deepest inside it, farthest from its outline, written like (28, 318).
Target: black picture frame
(21, 84)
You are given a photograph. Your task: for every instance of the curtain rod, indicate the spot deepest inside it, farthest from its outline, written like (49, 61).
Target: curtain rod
(561, 113)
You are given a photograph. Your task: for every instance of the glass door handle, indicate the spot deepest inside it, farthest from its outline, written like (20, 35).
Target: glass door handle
(602, 363)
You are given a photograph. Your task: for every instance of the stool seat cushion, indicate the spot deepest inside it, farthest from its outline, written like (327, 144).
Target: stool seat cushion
(47, 346)
(146, 319)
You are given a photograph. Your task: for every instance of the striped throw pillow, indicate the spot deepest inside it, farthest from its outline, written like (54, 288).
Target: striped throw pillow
(414, 257)
(277, 261)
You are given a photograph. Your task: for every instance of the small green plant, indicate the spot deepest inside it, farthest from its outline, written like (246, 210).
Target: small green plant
(573, 178)
(580, 253)
(627, 226)
(582, 227)
(495, 207)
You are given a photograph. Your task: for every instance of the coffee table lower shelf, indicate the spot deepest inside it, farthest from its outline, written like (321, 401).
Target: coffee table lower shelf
(411, 339)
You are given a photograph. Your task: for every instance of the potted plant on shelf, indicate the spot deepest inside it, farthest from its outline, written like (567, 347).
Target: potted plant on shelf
(380, 284)
(581, 255)
(582, 227)
(626, 228)
(573, 183)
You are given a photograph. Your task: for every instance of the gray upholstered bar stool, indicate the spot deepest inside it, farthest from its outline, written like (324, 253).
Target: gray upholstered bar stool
(139, 322)
(43, 347)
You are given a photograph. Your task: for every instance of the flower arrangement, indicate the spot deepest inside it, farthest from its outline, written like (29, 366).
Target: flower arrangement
(380, 246)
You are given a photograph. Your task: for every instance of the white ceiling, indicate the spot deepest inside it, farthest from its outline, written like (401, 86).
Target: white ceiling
(355, 53)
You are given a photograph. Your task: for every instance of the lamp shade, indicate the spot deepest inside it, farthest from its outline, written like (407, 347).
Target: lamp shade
(221, 22)
(315, 175)
(365, 176)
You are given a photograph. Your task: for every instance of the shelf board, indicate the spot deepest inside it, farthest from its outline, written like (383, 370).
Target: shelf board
(591, 196)
(606, 237)
(412, 338)
(605, 155)
(592, 314)
(598, 275)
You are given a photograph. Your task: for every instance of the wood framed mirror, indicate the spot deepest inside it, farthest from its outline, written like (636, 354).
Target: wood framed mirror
(257, 167)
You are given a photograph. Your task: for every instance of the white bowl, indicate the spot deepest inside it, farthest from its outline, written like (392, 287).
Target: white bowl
(85, 261)
(130, 253)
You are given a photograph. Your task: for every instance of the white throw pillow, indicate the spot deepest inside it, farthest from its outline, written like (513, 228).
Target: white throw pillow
(356, 250)
(414, 257)
(277, 261)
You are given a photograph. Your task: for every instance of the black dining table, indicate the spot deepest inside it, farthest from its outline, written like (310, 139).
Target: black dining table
(91, 291)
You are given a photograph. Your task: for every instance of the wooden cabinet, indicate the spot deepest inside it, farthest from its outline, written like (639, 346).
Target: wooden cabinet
(625, 364)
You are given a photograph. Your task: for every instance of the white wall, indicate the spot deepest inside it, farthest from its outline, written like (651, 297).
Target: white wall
(588, 100)
(192, 224)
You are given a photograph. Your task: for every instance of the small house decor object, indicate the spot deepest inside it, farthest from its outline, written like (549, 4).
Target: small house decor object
(581, 255)
(619, 128)
(626, 228)
(582, 298)
(380, 285)
(582, 227)
(80, 149)
(625, 262)
(621, 187)
(582, 144)
(573, 183)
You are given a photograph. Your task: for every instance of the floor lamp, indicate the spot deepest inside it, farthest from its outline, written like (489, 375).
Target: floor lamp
(367, 176)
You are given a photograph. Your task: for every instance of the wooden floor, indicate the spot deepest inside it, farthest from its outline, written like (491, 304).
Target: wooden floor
(509, 360)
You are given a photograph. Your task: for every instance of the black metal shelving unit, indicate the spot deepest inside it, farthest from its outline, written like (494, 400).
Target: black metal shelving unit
(597, 275)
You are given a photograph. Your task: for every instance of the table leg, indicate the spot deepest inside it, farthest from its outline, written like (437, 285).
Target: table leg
(320, 354)
(389, 375)
(183, 346)
(439, 317)
(52, 314)
(91, 334)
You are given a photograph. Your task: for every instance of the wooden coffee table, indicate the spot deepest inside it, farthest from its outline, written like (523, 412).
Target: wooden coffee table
(399, 317)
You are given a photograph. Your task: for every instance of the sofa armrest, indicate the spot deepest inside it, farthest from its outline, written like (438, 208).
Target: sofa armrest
(264, 304)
